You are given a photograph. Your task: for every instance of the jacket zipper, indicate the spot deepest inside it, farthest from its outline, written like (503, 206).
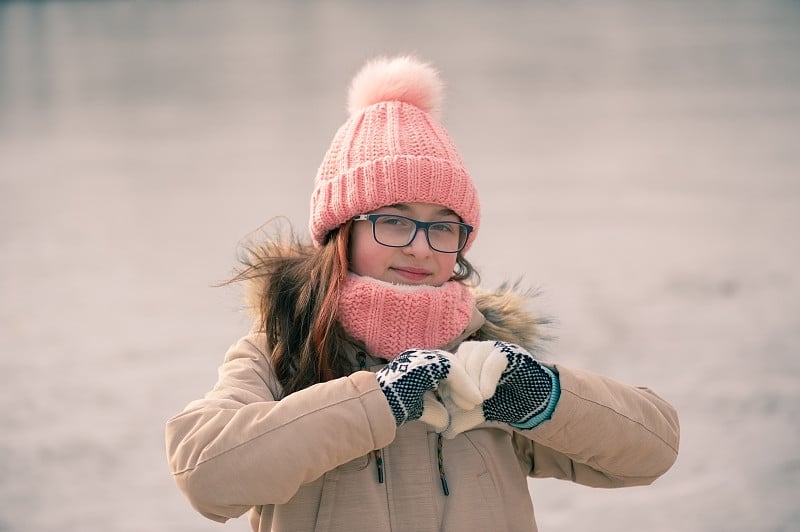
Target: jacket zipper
(378, 453)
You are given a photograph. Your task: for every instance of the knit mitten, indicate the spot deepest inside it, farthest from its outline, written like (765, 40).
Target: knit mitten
(516, 389)
(407, 379)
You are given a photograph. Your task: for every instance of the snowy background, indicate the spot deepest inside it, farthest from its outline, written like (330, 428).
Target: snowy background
(637, 161)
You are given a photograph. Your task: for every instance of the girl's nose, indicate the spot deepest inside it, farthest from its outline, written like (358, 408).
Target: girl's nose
(419, 246)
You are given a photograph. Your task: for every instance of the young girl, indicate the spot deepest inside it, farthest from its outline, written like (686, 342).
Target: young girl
(380, 390)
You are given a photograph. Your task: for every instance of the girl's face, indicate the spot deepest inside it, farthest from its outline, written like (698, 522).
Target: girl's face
(414, 264)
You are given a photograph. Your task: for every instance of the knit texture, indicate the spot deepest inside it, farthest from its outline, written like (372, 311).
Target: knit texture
(512, 387)
(405, 380)
(391, 150)
(390, 319)
(524, 391)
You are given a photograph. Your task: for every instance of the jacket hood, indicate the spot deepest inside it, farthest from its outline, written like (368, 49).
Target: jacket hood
(508, 317)
(505, 309)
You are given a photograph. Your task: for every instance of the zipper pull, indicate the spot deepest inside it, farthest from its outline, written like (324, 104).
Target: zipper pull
(379, 464)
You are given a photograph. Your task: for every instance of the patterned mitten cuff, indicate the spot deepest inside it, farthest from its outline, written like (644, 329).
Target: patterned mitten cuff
(547, 413)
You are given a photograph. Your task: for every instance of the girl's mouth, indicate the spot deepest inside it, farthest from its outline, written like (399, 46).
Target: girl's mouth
(411, 274)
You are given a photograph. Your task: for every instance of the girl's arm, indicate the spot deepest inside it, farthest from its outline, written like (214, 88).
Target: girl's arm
(239, 447)
(602, 433)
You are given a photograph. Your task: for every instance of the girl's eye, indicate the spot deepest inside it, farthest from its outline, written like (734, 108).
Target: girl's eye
(444, 227)
(393, 220)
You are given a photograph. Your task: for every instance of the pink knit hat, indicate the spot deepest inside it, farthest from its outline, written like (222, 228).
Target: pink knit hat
(391, 150)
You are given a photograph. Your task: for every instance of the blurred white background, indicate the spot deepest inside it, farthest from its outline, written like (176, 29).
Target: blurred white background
(637, 161)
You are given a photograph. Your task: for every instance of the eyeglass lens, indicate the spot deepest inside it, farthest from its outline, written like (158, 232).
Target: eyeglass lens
(399, 231)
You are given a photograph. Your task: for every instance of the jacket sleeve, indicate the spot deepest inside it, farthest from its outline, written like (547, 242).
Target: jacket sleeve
(602, 434)
(239, 447)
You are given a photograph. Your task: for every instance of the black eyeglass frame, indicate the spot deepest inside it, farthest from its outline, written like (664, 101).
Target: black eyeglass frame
(418, 225)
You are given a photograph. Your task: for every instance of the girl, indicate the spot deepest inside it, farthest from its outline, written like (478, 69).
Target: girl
(379, 390)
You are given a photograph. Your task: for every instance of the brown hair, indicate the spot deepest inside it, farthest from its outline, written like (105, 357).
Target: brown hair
(297, 297)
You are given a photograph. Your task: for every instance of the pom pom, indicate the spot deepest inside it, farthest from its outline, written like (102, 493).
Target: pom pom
(402, 78)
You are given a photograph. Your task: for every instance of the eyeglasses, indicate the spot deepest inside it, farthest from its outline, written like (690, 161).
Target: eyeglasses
(397, 231)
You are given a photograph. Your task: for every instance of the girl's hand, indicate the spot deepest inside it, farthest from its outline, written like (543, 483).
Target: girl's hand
(523, 390)
(407, 378)
(515, 388)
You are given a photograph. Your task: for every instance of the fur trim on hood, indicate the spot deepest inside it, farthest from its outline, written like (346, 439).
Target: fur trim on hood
(505, 309)
(508, 318)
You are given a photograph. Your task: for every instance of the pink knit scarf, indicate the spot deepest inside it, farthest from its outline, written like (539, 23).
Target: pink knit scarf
(391, 318)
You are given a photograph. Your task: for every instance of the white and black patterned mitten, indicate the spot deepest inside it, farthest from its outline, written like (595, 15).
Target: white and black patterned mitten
(407, 378)
(523, 392)
(515, 388)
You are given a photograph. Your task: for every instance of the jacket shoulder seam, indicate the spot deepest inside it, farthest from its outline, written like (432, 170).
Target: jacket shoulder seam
(606, 407)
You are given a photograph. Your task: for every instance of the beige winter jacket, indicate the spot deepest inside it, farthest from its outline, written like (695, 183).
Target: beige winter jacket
(306, 463)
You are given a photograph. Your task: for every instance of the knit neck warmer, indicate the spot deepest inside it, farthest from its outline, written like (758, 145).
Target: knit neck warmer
(391, 318)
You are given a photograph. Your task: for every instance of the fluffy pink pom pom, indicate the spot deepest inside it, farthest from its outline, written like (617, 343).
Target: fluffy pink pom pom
(402, 78)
